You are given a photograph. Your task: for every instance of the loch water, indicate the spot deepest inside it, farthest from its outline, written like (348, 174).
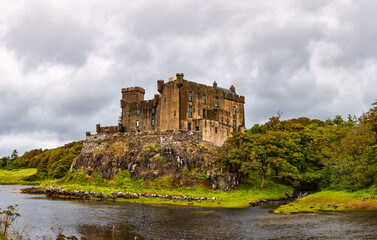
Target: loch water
(41, 217)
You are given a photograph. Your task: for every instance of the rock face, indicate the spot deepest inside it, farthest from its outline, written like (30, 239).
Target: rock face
(178, 154)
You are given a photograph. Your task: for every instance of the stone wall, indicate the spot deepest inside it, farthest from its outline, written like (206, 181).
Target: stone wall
(185, 105)
(108, 129)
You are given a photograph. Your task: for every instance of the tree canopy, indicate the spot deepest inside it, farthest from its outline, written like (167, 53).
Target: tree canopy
(308, 153)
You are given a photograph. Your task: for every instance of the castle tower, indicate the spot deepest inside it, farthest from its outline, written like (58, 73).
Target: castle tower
(133, 94)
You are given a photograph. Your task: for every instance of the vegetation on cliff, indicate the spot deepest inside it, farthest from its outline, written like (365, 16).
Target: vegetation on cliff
(179, 155)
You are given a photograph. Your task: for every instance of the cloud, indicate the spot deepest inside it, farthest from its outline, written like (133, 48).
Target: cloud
(46, 35)
(63, 63)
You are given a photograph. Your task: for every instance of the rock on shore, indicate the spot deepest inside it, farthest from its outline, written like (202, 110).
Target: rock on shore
(76, 194)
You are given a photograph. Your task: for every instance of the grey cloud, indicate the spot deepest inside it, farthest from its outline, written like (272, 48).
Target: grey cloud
(39, 37)
(268, 58)
(355, 36)
(169, 18)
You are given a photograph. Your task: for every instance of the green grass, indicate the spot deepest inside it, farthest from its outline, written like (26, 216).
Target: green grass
(16, 176)
(332, 201)
(240, 198)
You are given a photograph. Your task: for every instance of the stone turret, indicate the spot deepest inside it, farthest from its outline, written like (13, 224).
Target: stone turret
(133, 94)
(180, 77)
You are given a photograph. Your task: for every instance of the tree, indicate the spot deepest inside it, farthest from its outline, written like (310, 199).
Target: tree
(14, 155)
(120, 117)
(262, 153)
(4, 161)
(274, 152)
(338, 120)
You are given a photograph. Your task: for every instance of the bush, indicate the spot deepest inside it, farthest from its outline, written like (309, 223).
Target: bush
(77, 177)
(159, 159)
(203, 177)
(122, 178)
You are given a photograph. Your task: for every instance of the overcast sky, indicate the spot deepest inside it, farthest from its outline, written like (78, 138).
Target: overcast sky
(63, 63)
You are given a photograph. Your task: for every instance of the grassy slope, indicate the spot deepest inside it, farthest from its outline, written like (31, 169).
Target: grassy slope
(231, 199)
(16, 176)
(332, 201)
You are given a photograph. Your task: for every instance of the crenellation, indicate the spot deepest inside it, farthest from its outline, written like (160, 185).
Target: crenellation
(182, 105)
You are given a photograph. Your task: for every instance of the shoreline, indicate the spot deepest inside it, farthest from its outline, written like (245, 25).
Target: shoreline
(140, 198)
(145, 198)
(19, 184)
(326, 201)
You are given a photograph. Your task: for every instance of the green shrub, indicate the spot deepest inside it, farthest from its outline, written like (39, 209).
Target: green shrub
(77, 177)
(122, 178)
(159, 159)
(203, 177)
(35, 177)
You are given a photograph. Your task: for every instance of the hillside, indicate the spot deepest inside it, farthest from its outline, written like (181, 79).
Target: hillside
(180, 155)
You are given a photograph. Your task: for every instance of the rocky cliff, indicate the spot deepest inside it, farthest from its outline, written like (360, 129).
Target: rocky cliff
(180, 155)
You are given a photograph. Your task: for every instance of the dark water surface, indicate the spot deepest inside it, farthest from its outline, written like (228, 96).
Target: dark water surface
(96, 220)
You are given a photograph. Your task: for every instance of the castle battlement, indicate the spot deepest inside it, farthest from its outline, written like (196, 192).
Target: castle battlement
(133, 89)
(182, 105)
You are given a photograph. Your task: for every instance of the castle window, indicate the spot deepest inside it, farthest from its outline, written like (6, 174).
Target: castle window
(153, 110)
(204, 99)
(234, 124)
(190, 96)
(137, 111)
(216, 101)
(215, 129)
(189, 126)
(234, 110)
(197, 128)
(222, 119)
(152, 122)
(137, 123)
(204, 113)
(190, 111)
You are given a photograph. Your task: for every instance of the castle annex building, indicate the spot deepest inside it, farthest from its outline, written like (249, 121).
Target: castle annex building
(182, 105)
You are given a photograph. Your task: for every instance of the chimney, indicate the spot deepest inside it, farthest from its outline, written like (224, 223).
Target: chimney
(232, 88)
(156, 97)
(215, 84)
(180, 77)
(160, 85)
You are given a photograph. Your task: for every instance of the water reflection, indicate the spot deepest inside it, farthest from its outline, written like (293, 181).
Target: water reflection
(106, 220)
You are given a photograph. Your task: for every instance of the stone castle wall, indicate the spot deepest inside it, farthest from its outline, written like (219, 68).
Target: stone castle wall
(182, 105)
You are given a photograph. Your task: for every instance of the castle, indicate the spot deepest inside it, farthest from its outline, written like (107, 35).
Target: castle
(182, 105)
